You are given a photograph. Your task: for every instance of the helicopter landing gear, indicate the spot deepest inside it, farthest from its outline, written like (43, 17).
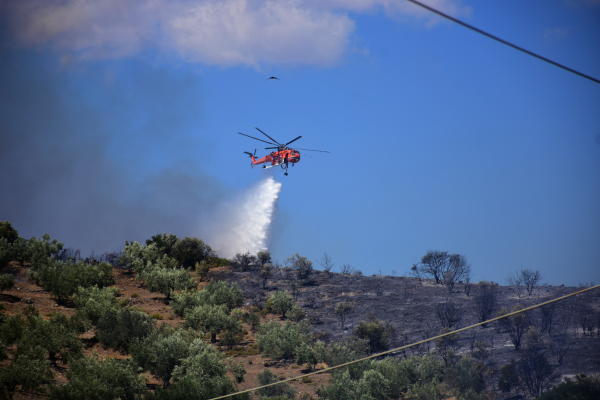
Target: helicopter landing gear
(285, 174)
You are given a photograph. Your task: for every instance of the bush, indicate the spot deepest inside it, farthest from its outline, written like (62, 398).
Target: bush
(280, 340)
(282, 390)
(38, 250)
(116, 329)
(91, 378)
(63, 279)
(92, 302)
(167, 280)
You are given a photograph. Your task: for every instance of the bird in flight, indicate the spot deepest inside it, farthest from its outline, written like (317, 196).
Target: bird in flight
(272, 78)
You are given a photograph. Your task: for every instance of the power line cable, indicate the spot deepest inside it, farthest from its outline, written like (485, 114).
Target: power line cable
(514, 46)
(409, 345)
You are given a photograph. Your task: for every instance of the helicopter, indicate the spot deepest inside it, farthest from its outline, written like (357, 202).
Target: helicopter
(282, 156)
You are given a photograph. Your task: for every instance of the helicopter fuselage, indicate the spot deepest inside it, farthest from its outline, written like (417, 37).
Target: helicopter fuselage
(276, 158)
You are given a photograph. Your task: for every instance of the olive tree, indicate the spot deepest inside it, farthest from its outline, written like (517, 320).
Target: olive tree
(281, 340)
(341, 310)
(282, 302)
(190, 250)
(94, 301)
(516, 325)
(281, 391)
(214, 319)
(117, 329)
(443, 267)
(302, 265)
(28, 370)
(7, 282)
(91, 378)
(167, 280)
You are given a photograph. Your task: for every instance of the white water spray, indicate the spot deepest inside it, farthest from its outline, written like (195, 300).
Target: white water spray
(246, 223)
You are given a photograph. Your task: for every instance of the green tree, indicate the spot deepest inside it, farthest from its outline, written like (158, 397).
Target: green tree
(341, 310)
(56, 336)
(215, 293)
(92, 302)
(266, 272)
(164, 242)
(263, 257)
(7, 282)
(201, 375)
(212, 318)
(446, 346)
(283, 389)
(29, 370)
(38, 250)
(295, 314)
(581, 388)
(302, 265)
(167, 280)
(63, 279)
(508, 377)
(8, 232)
(375, 332)
(281, 340)
(116, 329)
(282, 302)
(162, 351)
(107, 379)
(310, 354)
(190, 250)
(516, 325)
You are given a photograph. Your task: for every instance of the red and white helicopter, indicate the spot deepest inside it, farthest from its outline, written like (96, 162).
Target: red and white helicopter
(283, 156)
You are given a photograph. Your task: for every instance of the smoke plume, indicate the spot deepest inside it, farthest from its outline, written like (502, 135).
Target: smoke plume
(244, 225)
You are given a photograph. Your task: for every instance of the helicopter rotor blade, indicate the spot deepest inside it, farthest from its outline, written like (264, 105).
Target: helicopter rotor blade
(269, 148)
(243, 134)
(268, 136)
(322, 151)
(293, 140)
(248, 153)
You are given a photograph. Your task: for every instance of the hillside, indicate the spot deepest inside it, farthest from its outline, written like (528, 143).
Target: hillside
(409, 306)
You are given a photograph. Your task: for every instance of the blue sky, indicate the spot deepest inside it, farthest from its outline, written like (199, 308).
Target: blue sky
(119, 122)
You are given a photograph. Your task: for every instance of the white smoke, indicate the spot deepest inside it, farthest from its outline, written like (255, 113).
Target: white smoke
(245, 225)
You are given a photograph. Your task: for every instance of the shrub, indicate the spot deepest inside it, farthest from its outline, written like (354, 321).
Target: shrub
(91, 378)
(157, 316)
(282, 390)
(280, 340)
(93, 302)
(341, 310)
(116, 329)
